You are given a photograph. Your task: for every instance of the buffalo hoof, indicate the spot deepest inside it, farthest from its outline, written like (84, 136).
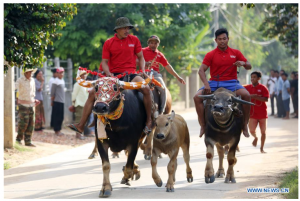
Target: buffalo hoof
(105, 194)
(115, 155)
(126, 182)
(92, 156)
(210, 179)
(136, 176)
(220, 173)
(190, 180)
(170, 190)
(159, 184)
(147, 157)
(228, 180)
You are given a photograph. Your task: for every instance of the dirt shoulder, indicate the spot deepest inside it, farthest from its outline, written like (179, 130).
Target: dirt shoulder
(47, 143)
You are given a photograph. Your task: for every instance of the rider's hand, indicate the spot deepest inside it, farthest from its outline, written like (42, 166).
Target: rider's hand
(145, 75)
(180, 80)
(239, 63)
(109, 74)
(207, 89)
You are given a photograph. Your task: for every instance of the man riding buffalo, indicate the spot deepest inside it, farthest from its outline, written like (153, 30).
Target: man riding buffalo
(223, 62)
(153, 58)
(119, 56)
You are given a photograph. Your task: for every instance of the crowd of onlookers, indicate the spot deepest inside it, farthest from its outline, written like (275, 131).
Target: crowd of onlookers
(31, 115)
(283, 90)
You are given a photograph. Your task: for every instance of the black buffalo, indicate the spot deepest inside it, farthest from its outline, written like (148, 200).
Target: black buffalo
(224, 124)
(123, 133)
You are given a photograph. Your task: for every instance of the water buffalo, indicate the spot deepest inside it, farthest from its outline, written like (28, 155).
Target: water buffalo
(223, 114)
(171, 133)
(124, 116)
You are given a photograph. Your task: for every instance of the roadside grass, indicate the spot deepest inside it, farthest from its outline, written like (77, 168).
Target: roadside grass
(21, 148)
(290, 180)
(6, 165)
(8, 153)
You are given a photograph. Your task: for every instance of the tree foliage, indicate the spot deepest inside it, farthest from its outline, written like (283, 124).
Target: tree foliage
(29, 28)
(282, 21)
(84, 36)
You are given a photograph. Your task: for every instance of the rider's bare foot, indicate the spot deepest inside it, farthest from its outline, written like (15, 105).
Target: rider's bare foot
(262, 151)
(245, 132)
(254, 143)
(202, 131)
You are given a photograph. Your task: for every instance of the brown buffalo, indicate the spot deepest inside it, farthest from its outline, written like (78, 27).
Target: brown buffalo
(170, 134)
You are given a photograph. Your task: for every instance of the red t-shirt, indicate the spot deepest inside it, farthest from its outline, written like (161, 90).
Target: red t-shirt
(259, 110)
(121, 53)
(149, 55)
(100, 67)
(221, 61)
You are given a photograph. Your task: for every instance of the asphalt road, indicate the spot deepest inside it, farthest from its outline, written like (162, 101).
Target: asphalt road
(70, 175)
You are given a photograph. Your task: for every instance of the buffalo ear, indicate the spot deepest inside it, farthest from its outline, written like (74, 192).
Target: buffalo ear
(172, 116)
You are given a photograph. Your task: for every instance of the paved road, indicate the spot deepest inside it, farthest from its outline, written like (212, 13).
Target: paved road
(70, 174)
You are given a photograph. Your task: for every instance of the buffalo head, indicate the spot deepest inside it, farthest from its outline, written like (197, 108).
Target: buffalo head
(222, 104)
(108, 92)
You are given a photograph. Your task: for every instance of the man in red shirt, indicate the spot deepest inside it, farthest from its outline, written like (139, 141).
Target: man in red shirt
(223, 62)
(153, 58)
(258, 112)
(119, 56)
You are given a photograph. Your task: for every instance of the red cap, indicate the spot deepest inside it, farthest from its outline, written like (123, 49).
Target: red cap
(60, 69)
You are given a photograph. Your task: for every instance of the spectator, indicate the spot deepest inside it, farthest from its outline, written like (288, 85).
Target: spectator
(258, 112)
(51, 80)
(26, 101)
(57, 101)
(286, 95)
(39, 109)
(294, 92)
(278, 92)
(79, 97)
(271, 85)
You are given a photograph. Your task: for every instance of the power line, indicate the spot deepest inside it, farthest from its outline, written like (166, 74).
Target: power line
(245, 37)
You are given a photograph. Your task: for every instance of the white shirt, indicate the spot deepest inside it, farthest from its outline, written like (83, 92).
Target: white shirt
(26, 89)
(272, 85)
(51, 80)
(79, 95)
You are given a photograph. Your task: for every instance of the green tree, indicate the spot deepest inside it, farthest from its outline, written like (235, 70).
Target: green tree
(282, 21)
(83, 37)
(29, 28)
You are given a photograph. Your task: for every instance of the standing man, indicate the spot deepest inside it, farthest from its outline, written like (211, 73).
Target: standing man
(223, 62)
(294, 92)
(51, 80)
(286, 95)
(79, 97)
(271, 85)
(57, 101)
(119, 56)
(26, 88)
(258, 112)
(153, 58)
(278, 92)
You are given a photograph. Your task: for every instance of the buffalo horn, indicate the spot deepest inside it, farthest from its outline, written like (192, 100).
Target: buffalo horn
(206, 96)
(237, 100)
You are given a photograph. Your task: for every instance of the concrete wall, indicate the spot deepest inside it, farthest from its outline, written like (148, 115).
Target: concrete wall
(9, 109)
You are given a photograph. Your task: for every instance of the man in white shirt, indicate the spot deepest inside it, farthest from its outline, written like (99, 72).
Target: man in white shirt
(271, 86)
(26, 121)
(51, 80)
(79, 97)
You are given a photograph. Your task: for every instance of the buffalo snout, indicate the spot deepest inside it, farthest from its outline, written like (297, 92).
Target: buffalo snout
(218, 108)
(160, 136)
(101, 108)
